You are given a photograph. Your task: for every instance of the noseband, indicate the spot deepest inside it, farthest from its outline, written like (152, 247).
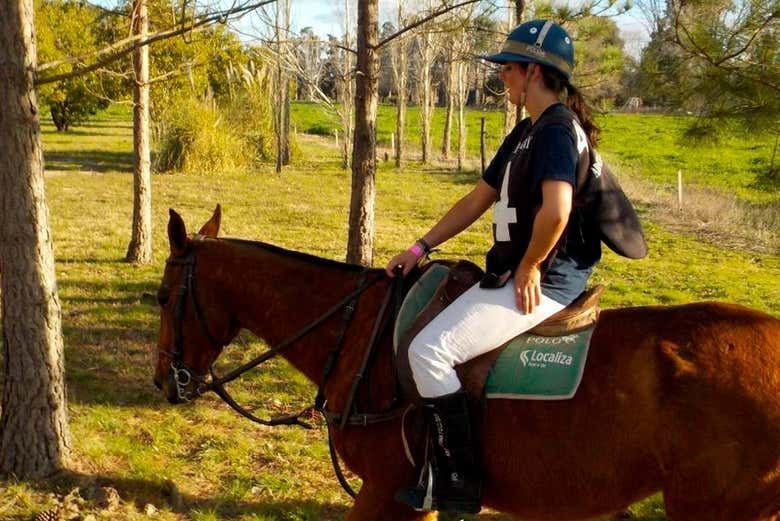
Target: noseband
(183, 375)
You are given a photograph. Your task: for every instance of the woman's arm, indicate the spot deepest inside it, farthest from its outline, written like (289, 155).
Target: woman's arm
(462, 214)
(549, 224)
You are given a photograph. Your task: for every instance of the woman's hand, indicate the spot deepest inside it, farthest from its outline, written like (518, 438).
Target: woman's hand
(406, 259)
(528, 289)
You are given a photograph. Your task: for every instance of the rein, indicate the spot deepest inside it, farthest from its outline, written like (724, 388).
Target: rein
(184, 375)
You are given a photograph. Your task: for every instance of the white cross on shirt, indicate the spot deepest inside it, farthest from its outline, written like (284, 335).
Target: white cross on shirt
(503, 214)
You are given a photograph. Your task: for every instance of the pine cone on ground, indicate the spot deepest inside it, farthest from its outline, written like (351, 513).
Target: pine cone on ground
(53, 514)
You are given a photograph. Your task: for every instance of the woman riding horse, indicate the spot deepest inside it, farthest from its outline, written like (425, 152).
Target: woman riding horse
(544, 249)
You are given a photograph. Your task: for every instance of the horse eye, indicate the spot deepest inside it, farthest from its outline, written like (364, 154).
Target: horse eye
(162, 296)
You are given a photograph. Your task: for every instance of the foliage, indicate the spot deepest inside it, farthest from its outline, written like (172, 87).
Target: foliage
(215, 135)
(719, 60)
(599, 59)
(193, 64)
(68, 28)
(198, 139)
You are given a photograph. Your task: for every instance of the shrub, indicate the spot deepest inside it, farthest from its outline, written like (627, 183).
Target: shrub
(198, 138)
(320, 129)
(234, 134)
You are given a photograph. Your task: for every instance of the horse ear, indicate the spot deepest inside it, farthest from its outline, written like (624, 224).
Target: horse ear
(211, 228)
(177, 233)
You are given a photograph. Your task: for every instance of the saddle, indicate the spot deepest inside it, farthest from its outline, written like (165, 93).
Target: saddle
(439, 285)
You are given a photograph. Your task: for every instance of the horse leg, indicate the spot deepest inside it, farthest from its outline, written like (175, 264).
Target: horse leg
(373, 505)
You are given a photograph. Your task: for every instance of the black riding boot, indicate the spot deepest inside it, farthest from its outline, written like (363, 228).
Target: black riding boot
(451, 482)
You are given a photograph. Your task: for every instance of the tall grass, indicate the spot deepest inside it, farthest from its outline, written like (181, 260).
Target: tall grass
(198, 138)
(728, 192)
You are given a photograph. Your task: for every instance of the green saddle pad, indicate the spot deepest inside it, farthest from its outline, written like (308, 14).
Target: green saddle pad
(417, 298)
(531, 367)
(534, 367)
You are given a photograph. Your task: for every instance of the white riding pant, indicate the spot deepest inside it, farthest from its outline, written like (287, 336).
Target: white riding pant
(476, 322)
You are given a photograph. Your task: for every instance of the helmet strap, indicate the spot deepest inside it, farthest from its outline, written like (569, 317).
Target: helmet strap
(526, 81)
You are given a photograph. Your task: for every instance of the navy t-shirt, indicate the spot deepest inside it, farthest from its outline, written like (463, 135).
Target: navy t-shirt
(554, 157)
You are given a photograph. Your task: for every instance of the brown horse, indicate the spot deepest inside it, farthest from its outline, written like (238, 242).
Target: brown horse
(681, 399)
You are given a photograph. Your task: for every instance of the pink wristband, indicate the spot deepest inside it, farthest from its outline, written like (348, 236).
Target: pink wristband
(416, 249)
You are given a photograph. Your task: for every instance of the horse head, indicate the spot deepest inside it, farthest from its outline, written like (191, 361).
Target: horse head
(193, 327)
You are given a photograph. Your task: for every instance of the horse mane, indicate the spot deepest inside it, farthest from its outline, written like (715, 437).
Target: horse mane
(305, 257)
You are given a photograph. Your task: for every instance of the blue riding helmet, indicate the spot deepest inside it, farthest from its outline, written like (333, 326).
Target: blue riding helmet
(538, 41)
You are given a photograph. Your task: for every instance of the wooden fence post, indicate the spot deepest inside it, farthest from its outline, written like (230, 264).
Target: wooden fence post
(679, 191)
(482, 143)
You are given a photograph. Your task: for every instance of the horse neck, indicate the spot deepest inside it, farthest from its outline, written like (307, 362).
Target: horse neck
(276, 295)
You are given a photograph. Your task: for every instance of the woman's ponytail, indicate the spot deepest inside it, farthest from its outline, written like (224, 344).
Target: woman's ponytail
(555, 81)
(577, 104)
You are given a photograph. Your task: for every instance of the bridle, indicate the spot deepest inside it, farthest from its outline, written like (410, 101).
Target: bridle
(184, 375)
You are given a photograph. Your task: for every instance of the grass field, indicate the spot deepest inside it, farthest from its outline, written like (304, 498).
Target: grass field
(655, 144)
(203, 462)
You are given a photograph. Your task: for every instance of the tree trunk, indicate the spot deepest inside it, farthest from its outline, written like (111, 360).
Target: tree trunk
(512, 114)
(346, 93)
(400, 123)
(140, 248)
(479, 87)
(425, 95)
(398, 61)
(34, 435)
(282, 90)
(519, 11)
(345, 88)
(461, 102)
(449, 87)
(361, 210)
(285, 119)
(284, 85)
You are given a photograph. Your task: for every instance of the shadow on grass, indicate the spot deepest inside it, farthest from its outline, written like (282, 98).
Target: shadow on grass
(161, 493)
(767, 180)
(139, 493)
(90, 160)
(465, 177)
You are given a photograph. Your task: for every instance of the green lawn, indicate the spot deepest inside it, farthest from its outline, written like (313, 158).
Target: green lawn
(127, 438)
(653, 145)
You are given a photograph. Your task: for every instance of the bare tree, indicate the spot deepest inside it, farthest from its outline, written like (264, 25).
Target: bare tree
(140, 248)
(345, 88)
(282, 90)
(461, 68)
(427, 47)
(34, 433)
(450, 86)
(461, 43)
(512, 113)
(398, 59)
(310, 63)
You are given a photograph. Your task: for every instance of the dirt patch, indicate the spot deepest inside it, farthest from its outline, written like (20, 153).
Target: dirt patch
(713, 217)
